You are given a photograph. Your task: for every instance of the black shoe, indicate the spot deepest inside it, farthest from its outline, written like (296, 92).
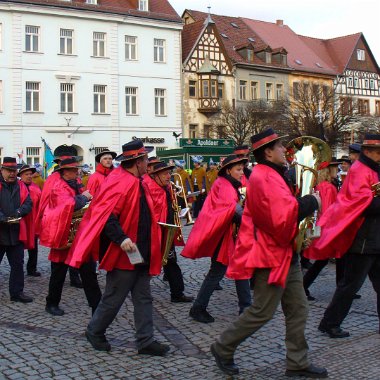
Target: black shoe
(99, 343)
(155, 349)
(182, 299)
(201, 315)
(311, 371)
(334, 332)
(226, 365)
(218, 287)
(76, 284)
(34, 274)
(310, 298)
(21, 297)
(357, 296)
(54, 310)
(306, 264)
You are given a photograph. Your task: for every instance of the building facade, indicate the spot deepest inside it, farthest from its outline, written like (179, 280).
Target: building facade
(90, 74)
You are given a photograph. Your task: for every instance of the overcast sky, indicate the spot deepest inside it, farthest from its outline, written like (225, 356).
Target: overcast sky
(321, 19)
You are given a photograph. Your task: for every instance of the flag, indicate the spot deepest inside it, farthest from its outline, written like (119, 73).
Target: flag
(48, 159)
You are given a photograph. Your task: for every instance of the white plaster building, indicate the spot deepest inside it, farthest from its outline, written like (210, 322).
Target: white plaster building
(88, 74)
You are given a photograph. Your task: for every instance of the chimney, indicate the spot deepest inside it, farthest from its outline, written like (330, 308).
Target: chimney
(280, 22)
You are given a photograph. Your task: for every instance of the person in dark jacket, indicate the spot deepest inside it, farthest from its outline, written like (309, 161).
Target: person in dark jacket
(360, 207)
(15, 203)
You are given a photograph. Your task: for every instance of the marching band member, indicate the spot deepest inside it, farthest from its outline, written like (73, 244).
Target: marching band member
(15, 202)
(213, 236)
(26, 176)
(350, 228)
(124, 209)
(211, 174)
(244, 151)
(64, 198)
(265, 247)
(37, 178)
(159, 188)
(103, 168)
(345, 165)
(198, 180)
(354, 152)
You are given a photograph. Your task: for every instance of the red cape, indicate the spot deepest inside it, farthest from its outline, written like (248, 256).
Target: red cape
(341, 222)
(328, 193)
(118, 195)
(268, 228)
(97, 179)
(56, 220)
(214, 224)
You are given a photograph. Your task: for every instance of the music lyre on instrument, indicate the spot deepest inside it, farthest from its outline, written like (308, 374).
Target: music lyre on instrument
(305, 154)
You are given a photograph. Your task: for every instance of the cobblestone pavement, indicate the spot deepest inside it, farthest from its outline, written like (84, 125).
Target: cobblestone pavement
(36, 345)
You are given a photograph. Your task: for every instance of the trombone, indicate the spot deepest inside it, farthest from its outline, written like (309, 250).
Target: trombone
(179, 191)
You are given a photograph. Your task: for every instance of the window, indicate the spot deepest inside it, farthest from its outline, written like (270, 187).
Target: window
(32, 96)
(279, 91)
(93, 2)
(1, 96)
(32, 38)
(206, 131)
(131, 100)
(243, 90)
(356, 82)
(160, 101)
(192, 88)
(100, 98)
(66, 41)
(269, 91)
(360, 54)
(346, 106)
(296, 90)
(1, 36)
(99, 44)
(205, 88)
(363, 106)
(143, 5)
(67, 97)
(214, 88)
(254, 90)
(372, 84)
(350, 82)
(220, 132)
(192, 131)
(250, 55)
(377, 107)
(130, 48)
(220, 90)
(33, 155)
(366, 84)
(159, 50)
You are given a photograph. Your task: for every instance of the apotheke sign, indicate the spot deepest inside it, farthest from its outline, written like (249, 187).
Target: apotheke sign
(150, 140)
(206, 143)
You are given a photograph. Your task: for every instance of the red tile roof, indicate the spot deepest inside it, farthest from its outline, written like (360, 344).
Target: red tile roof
(234, 34)
(158, 9)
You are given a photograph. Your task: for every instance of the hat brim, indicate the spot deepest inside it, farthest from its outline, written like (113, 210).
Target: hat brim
(122, 158)
(99, 155)
(70, 167)
(371, 146)
(268, 142)
(33, 170)
(164, 168)
(9, 167)
(236, 161)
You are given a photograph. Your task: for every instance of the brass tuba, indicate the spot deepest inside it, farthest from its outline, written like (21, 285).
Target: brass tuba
(169, 231)
(305, 154)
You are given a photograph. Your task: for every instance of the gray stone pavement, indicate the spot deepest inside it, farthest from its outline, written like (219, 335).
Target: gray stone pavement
(36, 345)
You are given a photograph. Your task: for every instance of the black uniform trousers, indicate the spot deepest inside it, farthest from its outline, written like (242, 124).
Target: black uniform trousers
(357, 267)
(31, 265)
(15, 256)
(89, 279)
(174, 275)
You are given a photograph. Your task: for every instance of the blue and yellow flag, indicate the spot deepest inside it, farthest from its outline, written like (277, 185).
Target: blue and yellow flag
(48, 159)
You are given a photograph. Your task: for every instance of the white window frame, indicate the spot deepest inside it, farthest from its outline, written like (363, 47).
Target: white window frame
(159, 50)
(33, 96)
(350, 82)
(131, 100)
(254, 90)
(67, 95)
(1, 36)
(66, 37)
(356, 82)
(131, 48)
(243, 90)
(269, 91)
(372, 84)
(279, 91)
(92, 2)
(366, 84)
(33, 155)
(100, 99)
(143, 5)
(360, 54)
(1, 96)
(160, 102)
(32, 38)
(99, 44)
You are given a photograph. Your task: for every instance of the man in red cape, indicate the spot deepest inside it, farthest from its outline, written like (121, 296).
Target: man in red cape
(64, 198)
(350, 227)
(244, 151)
(158, 182)
(213, 236)
(124, 210)
(15, 203)
(266, 237)
(26, 175)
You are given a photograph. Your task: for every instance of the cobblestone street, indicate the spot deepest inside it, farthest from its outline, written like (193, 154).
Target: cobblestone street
(36, 345)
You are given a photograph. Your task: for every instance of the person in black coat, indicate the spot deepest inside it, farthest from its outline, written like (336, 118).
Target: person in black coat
(15, 203)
